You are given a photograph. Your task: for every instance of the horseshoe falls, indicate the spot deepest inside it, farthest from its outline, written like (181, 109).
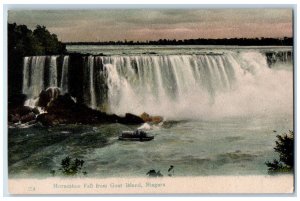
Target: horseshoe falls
(173, 86)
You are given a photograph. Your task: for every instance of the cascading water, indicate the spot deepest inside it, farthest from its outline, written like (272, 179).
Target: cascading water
(92, 82)
(53, 71)
(64, 75)
(174, 86)
(193, 86)
(33, 74)
(40, 73)
(151, 83)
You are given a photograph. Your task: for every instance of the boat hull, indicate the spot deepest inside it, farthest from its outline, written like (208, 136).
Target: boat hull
(141, 139)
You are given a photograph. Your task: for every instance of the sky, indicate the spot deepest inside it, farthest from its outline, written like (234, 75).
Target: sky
(154, 24)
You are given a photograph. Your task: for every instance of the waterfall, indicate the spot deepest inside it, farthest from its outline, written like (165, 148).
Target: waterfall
(92, 82)
(26, 75)
(64, 75)
(151, 81)
(33, 74)
(39, 73)
(196, 85)
(168, 85)
(53, 71)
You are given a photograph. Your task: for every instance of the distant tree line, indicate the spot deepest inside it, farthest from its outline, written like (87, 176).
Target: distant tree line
(25, 42)
(286, 41)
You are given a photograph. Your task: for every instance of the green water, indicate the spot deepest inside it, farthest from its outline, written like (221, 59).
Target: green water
(231, 146)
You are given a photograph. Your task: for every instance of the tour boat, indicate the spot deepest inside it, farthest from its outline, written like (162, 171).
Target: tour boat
(137, 135)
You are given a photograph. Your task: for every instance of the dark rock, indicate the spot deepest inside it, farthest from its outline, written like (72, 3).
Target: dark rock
(35, 111)
(31, 122)
(14, 118)
(44, 99)
(62, 104)
(23, 110)
(16, 100)
(131, 119)
(28, 117)
(47, 119)
(22, 113)
(64, 110)
(46, 96)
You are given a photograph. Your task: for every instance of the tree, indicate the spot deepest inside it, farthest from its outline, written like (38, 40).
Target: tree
(285, 148)
(48, 41)
(70, 167)
(24, 42)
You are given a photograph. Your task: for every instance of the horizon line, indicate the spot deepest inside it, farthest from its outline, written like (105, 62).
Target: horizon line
(167, 39)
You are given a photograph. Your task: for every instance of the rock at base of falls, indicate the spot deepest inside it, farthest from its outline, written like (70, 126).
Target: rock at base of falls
(151, 119)
(22, 114)
(47, 95)
(63, 110)
(28, 117)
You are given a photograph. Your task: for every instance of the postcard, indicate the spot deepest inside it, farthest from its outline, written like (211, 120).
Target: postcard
(150, 100)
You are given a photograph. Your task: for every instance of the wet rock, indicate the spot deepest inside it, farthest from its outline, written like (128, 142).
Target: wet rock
(62, 104)
(145, 116)
(22, 114)
(48, 95)
(14, 118)
(48, 119)
(152, 119)
(44, 99)
(28, 117)
(23, 110)
(15, 115)
(131, 119)
(64, 110)
(35, 111)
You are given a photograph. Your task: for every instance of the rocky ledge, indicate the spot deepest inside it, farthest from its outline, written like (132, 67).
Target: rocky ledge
(62, 109)
(151, 119)
(22, 114)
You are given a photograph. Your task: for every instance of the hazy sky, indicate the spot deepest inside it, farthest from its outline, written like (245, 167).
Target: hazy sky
(146, 24)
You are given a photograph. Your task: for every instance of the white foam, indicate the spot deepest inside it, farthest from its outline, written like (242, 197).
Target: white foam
(145, 126)
(216, 86)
